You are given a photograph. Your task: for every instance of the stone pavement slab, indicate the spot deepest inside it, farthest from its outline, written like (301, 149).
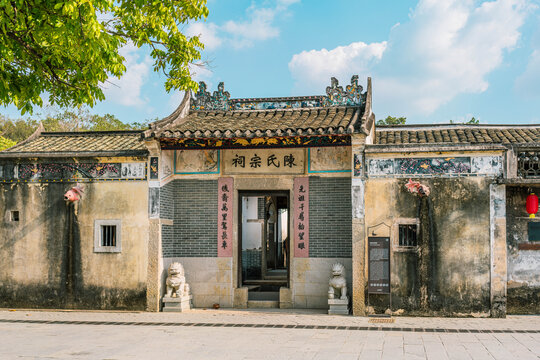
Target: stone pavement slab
(253, 334)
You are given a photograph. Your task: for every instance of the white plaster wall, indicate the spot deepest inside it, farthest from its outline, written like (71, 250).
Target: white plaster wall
(210, 279)
(310, 278)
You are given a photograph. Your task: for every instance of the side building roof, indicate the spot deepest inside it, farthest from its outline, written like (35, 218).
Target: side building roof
(457, 134)
(79, 144)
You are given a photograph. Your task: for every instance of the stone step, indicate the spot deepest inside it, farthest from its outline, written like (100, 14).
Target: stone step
(263, 304)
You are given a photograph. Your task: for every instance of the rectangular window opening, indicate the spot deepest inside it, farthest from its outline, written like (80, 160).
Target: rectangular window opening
(14, 216)
(408, 235)
(108, 235)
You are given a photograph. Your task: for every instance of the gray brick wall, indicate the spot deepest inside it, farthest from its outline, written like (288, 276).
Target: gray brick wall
(330, 219)
(166, 201)
(260, 208)
(194, 211)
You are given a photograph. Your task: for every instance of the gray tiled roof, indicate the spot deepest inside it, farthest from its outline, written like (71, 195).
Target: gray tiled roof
(457, 134)
(271, 122)
(81, 142)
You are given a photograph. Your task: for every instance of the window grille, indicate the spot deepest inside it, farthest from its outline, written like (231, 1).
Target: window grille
(108, 235)
(529, 164)
(408, 235)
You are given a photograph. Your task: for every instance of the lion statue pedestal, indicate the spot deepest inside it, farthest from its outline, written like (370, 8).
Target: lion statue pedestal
(338, 301)
(177, 297)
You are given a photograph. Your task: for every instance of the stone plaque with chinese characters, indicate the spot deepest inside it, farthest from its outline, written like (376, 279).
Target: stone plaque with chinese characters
(263, 161)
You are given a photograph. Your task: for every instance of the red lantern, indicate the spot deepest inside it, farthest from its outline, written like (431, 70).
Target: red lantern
(532, 205)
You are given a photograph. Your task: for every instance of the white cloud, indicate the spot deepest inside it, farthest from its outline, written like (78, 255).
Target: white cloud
(127, 90)
(208, 34)
(313, 69)
(446, 48)
(527, 84)
(259, 25)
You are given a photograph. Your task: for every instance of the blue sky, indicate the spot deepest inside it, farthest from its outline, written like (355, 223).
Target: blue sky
(431, 60)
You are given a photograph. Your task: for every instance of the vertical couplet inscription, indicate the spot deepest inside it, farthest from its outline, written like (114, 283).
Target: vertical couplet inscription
(225, 213)
(301, 217)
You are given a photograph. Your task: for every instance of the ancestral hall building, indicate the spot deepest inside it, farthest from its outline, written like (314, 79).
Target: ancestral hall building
(257, 198)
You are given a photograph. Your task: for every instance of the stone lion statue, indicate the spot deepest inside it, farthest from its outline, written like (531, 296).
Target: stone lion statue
(338, 283)
(176, 281)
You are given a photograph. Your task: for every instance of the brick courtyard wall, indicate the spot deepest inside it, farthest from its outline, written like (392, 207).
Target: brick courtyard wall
(192, 205)
(330, 217)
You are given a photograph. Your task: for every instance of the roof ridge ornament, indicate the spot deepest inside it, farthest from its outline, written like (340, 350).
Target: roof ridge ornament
(219, 100)
(335, 96)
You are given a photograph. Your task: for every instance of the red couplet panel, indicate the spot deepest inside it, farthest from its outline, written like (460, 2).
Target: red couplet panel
(225, 214)
(301, 217)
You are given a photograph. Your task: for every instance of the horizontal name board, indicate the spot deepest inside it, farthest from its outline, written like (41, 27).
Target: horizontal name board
(263, 161)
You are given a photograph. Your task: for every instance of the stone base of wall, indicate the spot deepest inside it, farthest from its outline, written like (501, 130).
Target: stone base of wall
(210, 279)
(310, 278)
(523, 300)
(35, 296)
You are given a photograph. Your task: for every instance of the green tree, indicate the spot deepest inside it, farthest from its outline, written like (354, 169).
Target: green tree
(67, 121)
(6, 143)
(391, 120)
(473, 121)
(67, 48)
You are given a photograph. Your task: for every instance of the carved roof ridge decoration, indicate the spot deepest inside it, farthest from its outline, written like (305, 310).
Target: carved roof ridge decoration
(335, 96)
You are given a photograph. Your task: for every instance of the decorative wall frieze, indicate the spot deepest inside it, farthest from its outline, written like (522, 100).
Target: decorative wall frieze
(70, 172)
(258, 142)
(453, 166)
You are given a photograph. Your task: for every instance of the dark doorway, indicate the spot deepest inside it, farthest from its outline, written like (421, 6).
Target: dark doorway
(264, 243)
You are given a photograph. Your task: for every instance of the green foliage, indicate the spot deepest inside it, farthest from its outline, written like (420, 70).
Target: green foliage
(66, 121)
(68, 48)
(6, 143)
(391, 120)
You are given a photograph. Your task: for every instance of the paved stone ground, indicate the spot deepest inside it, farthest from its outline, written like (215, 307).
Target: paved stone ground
(257, 334)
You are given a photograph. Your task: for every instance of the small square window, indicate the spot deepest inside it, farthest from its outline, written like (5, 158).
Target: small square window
(407, 235)
(14, 216)
(107, 236)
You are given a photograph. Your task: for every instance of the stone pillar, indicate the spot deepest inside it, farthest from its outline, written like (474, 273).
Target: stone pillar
(155, 261)
(155, 267)
(358, 226)
(497, 219)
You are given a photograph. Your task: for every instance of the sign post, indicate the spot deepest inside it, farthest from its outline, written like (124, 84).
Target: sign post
(379, 266)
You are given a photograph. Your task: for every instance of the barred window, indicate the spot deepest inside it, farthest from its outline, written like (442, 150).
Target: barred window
(408, 235)
(107, 236)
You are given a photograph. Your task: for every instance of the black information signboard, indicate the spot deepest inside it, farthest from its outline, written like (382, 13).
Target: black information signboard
(379, 265)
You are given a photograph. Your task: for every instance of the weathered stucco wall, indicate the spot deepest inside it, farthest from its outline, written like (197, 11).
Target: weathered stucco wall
(459, 214)
(523, 265)
(37, 270)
